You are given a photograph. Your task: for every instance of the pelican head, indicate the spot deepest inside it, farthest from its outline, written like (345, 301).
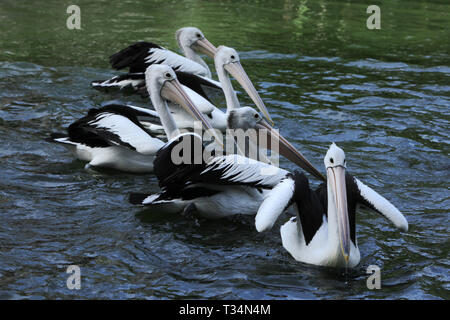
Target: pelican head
(191, 37)
(335, 157)
(228, 59)
(337, 197)
(162, 83)
(243, 118)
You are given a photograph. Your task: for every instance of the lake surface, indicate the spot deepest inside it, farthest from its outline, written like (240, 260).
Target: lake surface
(382, 95)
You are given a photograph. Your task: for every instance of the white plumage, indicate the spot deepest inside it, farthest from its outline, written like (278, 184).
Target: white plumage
(317, 252)
(276, 201)
(176, 61)
(383, 206)
(240, 169)
(128, 132)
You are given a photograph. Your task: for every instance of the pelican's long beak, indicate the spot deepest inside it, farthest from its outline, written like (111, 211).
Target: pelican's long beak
(205, 47)
(288, 150)
(336, 179)
(236, 70)
(172, 90)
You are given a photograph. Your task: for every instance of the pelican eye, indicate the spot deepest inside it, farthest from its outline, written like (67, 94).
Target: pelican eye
(256, 116)
(168, 75)
(198, 35)
(232, 57)
(331, 160)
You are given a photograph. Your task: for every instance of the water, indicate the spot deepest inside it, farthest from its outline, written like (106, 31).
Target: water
(382, 95)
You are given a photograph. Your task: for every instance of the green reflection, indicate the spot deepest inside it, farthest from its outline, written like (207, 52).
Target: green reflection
(36, 31)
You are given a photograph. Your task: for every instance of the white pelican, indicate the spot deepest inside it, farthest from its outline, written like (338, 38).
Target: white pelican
(218, 186)
(113, 137)
(137, 57)
(323, 232)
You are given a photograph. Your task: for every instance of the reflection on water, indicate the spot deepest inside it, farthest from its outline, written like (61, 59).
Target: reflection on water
(383, 96)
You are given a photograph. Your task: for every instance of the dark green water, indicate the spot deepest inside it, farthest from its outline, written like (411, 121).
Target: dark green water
(382, 95)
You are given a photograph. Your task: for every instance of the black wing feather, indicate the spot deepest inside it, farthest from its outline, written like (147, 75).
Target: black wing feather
(176, 179)
(133, 57)
(195, 83)
(83, 130)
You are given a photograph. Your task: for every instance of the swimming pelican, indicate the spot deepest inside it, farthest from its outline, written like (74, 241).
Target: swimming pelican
(323, 232)
(113, 137)
(137, 57)
(218, 186)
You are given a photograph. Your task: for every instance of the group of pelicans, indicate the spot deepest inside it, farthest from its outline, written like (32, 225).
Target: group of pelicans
(124, 137)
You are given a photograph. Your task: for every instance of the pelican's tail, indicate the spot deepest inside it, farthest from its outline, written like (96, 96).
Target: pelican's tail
(138, 198)
(56, 137)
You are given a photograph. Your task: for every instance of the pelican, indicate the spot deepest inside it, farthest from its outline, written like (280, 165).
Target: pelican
(323, 231)
(113, 137)
(218, 186)
(141, 55)
(138, 56)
